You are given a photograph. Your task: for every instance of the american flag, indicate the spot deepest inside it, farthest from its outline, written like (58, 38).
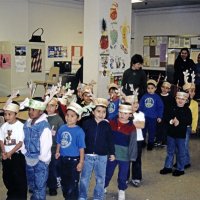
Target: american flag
(36, 60)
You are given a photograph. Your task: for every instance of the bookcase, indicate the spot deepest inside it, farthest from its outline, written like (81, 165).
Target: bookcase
(21, 62)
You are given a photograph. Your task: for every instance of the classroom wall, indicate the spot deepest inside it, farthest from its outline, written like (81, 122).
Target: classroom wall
(62, 23)
(164, 21)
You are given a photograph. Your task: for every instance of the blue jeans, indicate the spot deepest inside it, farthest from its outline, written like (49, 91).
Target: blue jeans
(175, 146)
(187, 149)
(122, 174)
(37, 177)
(98, 164)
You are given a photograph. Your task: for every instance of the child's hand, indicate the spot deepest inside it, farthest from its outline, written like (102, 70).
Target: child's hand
(112, 158)
(8, 155)
(4, 156)
(57, 155)
(79, 166)
(159, 120)
(176, 122)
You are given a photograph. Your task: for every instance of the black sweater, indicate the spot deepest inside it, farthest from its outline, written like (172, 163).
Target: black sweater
(98, 137)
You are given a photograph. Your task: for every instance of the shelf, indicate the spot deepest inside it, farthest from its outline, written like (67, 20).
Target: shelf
(154, 68)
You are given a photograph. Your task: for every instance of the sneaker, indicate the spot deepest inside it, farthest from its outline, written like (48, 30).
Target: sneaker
(121, 195)
(105, 190)
(136, 183)
(166, 171)
(178, 173)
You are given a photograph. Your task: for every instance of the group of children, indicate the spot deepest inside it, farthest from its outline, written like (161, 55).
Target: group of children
(97, 135)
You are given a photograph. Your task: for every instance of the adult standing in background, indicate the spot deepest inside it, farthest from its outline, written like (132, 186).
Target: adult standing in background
(79, 74)
(183, 63)
(197, 78)
(134, 77)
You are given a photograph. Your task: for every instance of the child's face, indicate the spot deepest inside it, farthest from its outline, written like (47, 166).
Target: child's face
(180, 101)
(151, 89)
(124, 117)
(99, 113)
(34, 114)
(79, 93)
(71, 118)
(87, 98)
(51, 108)
(113, 94)
(135, 106)
(191, 93)
(10, 116)
(165, 89)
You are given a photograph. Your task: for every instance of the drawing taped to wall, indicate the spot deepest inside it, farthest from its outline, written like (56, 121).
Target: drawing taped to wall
(36, 60)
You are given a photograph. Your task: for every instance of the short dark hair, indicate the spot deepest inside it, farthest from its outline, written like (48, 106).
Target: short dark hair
(136, 59)
(38, 99)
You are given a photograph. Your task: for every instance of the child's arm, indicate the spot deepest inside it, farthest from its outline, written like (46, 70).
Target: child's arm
(17, 146)
(139, 124)
(80, 164)
(3, 153)
(57, 155)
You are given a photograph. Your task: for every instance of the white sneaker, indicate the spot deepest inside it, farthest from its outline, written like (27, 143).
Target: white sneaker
(121, 195)
(105, 190)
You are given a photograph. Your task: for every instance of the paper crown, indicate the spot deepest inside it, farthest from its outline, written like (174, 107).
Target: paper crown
(113, 85)
(183, 95)
(9, 105)
(35, 104)
(12, 107)
(166, 84)
(100, 102)
(54, 101)
(76, 108)
(131, 99)
(87, 89)
(152, 81)
(125, 108)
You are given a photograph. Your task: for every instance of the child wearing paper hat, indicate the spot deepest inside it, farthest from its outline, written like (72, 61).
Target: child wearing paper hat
(179, 118)
(152, 106)
(70, 150)
(125, 141)
(99, 148)
(37, 147)
(11, 140)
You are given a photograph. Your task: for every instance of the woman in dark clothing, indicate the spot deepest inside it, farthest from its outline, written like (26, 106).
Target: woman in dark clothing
(183, 63)
(134, 77)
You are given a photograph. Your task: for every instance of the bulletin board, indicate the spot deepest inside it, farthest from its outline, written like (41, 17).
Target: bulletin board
(161, 51)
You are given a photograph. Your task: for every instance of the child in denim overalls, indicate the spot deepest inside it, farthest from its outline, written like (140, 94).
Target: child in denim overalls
(38, 142)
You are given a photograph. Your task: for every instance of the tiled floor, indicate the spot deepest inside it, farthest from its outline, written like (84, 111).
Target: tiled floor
(154, 185)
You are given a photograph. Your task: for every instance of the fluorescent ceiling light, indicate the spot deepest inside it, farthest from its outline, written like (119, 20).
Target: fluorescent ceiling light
(136, 1)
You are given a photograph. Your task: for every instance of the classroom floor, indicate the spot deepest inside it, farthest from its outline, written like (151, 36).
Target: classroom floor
(154, 186)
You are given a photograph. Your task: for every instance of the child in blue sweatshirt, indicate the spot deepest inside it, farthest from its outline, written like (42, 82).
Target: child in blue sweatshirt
(152, 106)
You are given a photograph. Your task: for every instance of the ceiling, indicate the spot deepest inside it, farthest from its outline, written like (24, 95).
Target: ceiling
(143, 5)
(164, 3)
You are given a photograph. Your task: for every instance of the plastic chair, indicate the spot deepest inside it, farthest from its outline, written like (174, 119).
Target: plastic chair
(53, 78)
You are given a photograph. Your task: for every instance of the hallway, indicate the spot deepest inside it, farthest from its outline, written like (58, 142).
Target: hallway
(155, 186)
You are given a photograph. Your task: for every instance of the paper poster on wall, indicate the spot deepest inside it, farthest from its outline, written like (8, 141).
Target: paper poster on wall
(20, 63)
(20, 50)
(5, 61)
(36, 60)
(0, 60)
(57, 51)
